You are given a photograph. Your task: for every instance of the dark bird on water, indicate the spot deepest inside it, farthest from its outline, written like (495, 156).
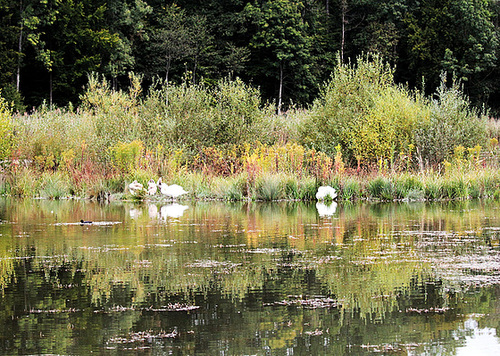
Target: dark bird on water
(82, 222)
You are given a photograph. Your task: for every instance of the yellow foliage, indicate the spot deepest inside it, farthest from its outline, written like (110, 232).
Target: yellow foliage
(126, 156)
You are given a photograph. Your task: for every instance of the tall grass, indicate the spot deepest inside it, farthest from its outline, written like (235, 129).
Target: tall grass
(365, 135)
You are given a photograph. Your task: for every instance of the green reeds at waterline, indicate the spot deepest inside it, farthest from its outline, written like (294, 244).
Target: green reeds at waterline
(480, 184)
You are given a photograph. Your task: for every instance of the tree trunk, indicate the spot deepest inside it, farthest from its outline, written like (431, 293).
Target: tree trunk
(167, 69)
(20, 48)
(50, 88)
(343, 9)
(280, 88)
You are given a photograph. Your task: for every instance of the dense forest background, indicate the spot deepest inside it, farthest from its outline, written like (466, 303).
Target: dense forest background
(287, 48)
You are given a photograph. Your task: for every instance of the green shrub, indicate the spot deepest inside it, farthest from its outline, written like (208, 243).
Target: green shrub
(415, 194)
(307, 188)
(54, 185)
(380, 188)
(194, 116)
(455, 188)
(6, 130)
(405, 183)
(452, 123)
(126, 156)
(115, 113)
(433, 188)
(24, 183)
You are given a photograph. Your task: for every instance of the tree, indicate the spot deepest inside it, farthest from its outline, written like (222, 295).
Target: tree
(456, 36)
(37, 18)
(128, 20)
(9, 54)
(280, 40)
(172, 36)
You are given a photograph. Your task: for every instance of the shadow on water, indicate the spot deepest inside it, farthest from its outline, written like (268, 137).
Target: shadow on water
(249, 278)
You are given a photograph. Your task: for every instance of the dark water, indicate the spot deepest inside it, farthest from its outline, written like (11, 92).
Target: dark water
(249, 279)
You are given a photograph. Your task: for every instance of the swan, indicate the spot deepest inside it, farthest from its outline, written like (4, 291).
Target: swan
(152, 187)
(135, 187)
(172, 191)
(326, 191)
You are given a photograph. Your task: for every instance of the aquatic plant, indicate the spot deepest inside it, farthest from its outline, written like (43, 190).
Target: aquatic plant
(269, 188)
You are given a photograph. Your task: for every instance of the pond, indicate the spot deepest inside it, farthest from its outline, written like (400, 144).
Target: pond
(249, 278)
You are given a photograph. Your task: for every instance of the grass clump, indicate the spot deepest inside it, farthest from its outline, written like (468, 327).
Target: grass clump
(54, 186)
(350, 189)
(270, 188)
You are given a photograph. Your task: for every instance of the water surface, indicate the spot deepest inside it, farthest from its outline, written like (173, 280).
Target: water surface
(246, 279)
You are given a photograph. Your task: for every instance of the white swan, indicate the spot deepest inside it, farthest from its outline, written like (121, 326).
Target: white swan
(172, 191)
(152, 188)
(135, 187)
(325, 191)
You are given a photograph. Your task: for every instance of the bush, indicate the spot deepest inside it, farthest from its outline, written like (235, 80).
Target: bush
(6, 131)
(54, 185)
(126, 156)
(194, 116)
(452, 123)
(350, 190)
(115, 113)
(338, 116)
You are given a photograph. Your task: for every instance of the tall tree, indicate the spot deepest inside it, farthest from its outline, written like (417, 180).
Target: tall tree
(280, 41)
(128, 20)
(456, 36)
(37, 18)
(171, 36)
(9, 55)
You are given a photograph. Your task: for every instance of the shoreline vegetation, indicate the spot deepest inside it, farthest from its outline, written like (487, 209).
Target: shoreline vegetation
(364, 135)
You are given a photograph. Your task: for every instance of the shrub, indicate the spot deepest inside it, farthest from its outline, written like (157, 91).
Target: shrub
(6, 130)
(115, 113)
(126, 155)
(338, 116)
(452, 123)
(54, 185)
(379, 187)
(350, 190)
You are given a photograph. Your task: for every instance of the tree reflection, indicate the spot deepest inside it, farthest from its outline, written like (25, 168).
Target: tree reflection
(252, 277)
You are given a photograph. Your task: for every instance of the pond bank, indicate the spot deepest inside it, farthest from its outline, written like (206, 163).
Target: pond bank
(482, 183)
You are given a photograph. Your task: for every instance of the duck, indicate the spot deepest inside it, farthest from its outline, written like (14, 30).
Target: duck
(172, 191)
(85, 222)
(135, 187)
(152, 187)
(326, 191)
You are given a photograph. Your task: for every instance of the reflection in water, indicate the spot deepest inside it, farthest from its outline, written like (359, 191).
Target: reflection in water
(326, 210)
(152, 211)
(172, 210)
(249, 278)
(135, 213)
(478, 341)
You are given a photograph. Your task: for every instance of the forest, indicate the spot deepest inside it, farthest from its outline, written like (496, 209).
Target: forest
(286, 48)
